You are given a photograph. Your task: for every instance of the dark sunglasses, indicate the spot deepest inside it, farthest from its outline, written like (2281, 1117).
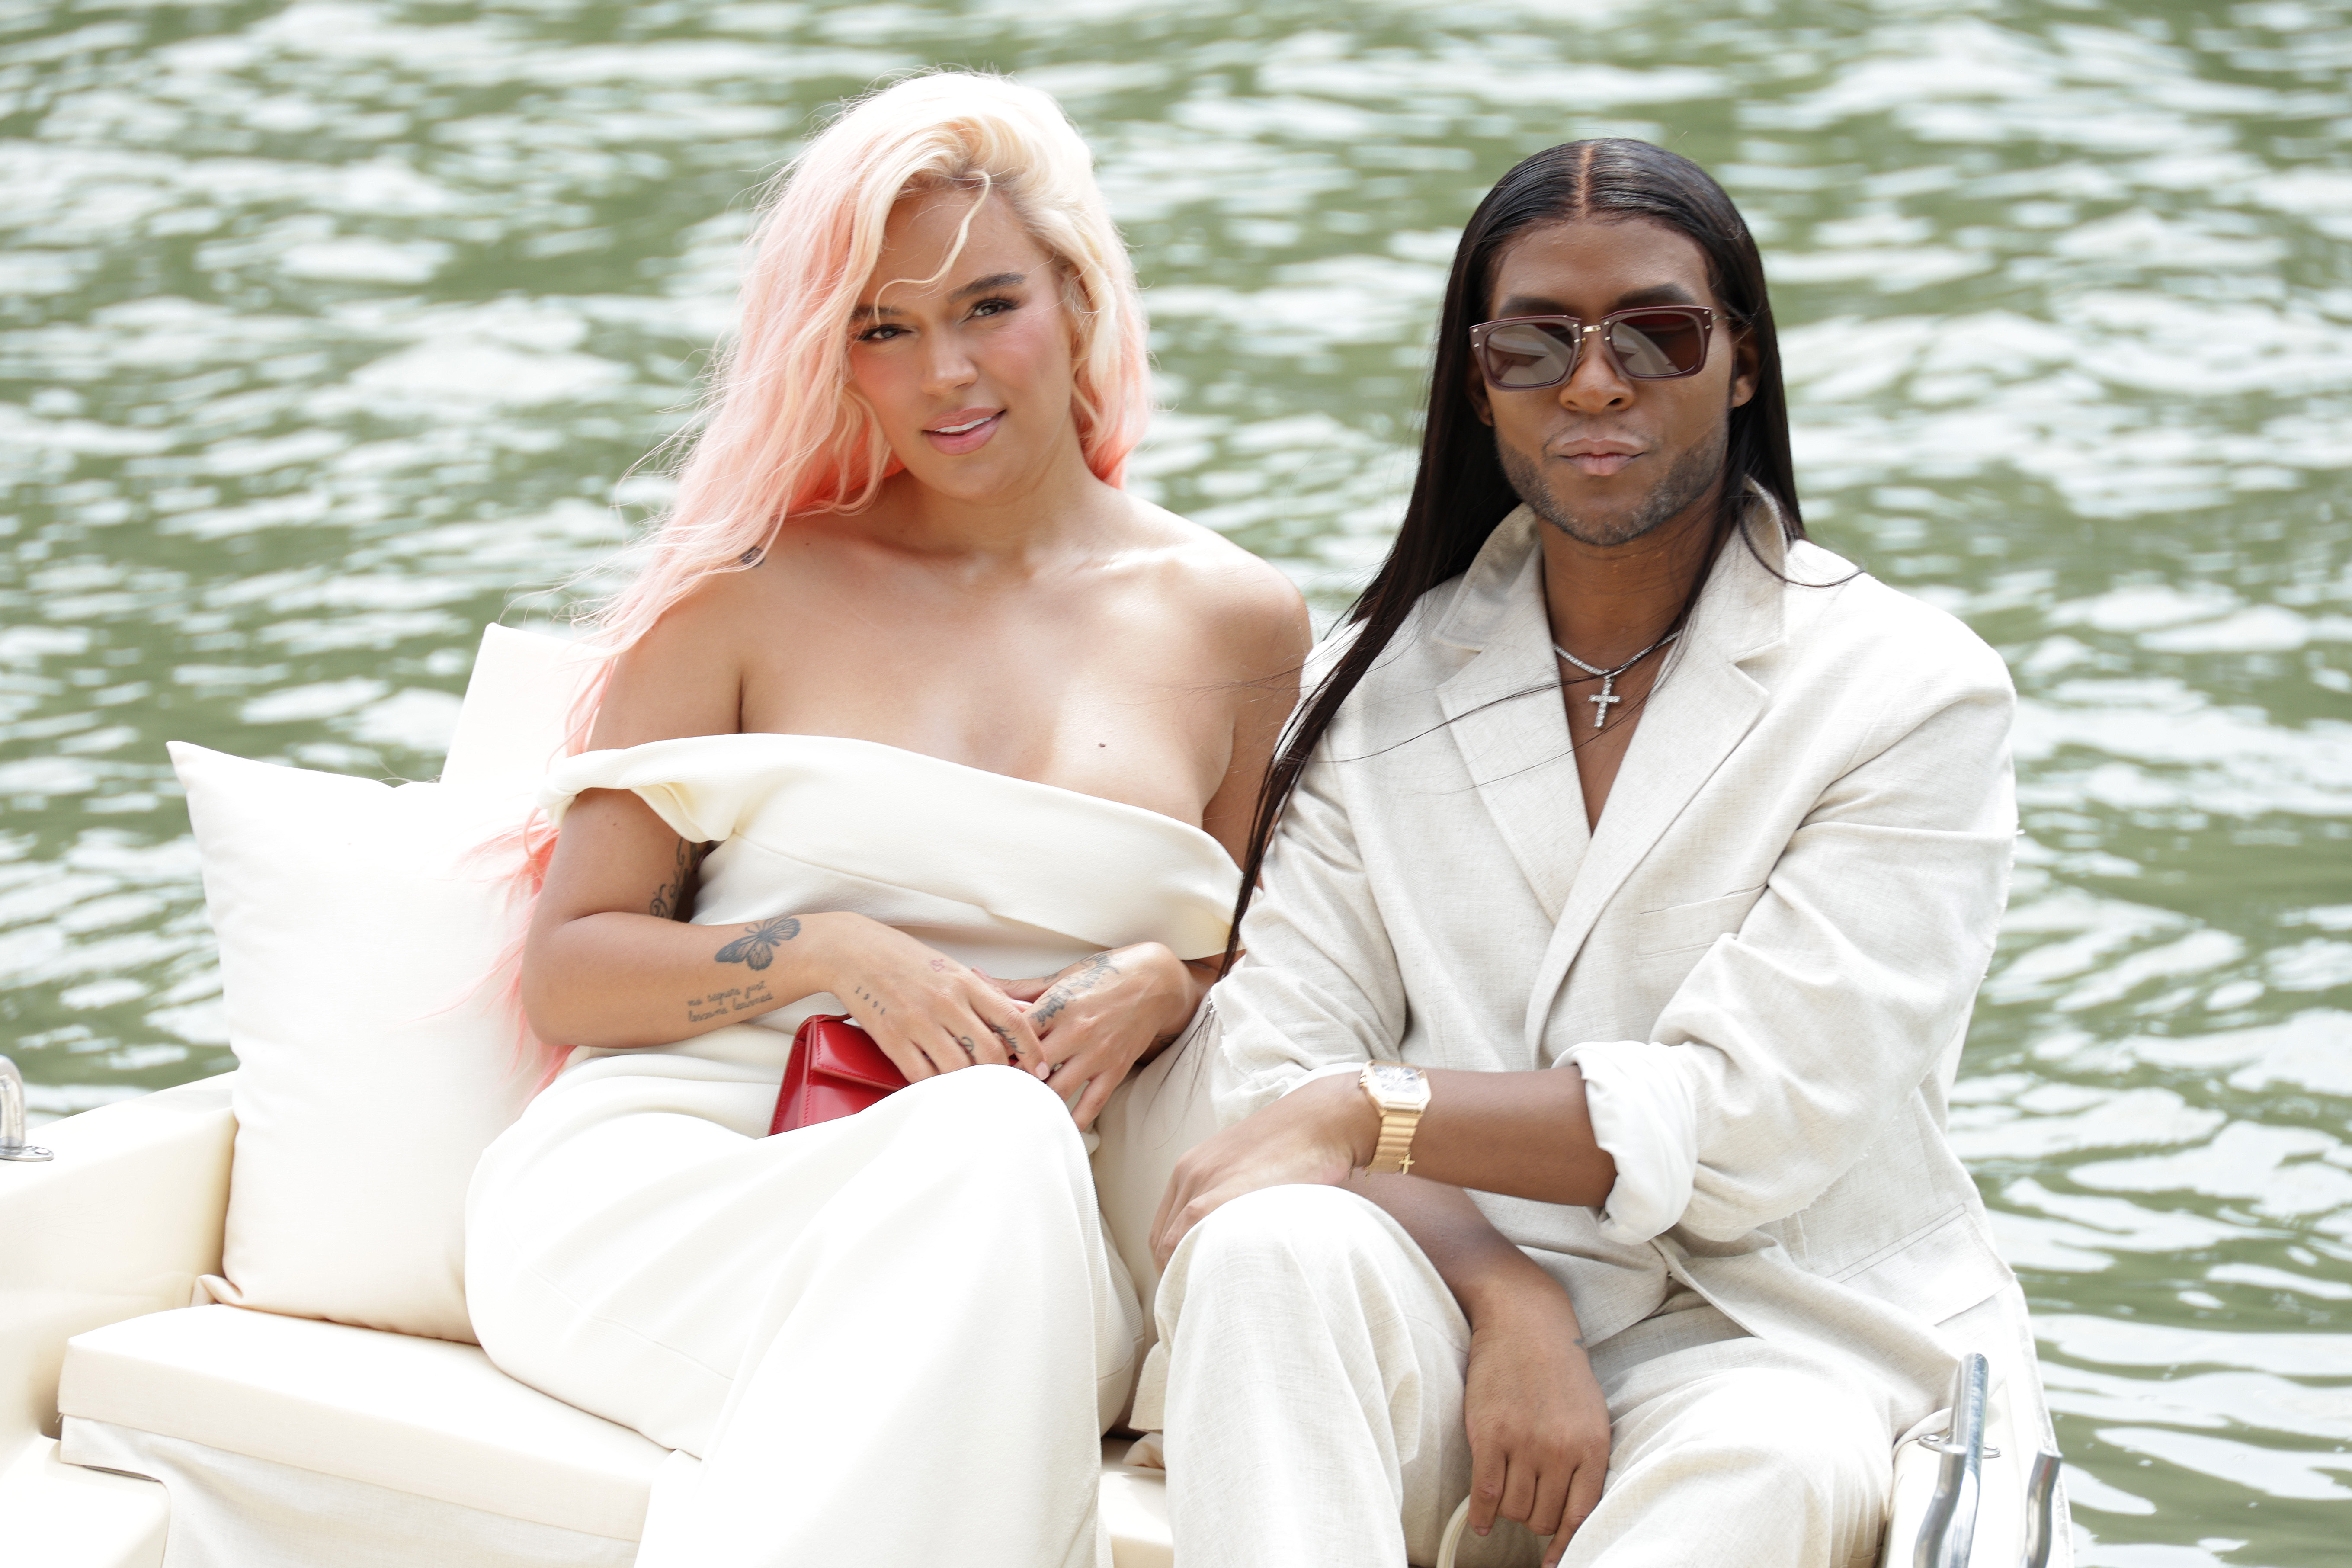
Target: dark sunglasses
(1652, 342)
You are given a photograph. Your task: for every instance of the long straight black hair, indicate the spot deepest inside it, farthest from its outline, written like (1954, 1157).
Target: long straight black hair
(1460, 492)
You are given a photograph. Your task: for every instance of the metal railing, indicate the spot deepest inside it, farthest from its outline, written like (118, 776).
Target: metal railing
(1947, 1530)
(12, 1116)
(2041, 1510)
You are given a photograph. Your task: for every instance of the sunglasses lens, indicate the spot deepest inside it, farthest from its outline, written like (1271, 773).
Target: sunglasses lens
(1524, 353)
(1658, 343)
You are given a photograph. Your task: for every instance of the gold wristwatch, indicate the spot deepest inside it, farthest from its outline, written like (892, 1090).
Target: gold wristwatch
(1400, 1094)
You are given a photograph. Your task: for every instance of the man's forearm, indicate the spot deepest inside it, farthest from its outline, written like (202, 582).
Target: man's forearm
(1522, 1134)
(1488, 1276)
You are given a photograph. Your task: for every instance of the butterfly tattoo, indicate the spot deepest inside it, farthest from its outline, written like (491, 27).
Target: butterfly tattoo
(757, 945)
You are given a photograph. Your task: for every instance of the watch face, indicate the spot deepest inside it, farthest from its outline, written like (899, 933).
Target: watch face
(1394, 1080)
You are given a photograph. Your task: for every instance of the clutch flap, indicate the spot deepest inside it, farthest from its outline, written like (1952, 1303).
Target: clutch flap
(840, 1050)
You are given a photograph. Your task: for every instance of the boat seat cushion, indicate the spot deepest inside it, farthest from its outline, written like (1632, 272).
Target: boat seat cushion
(423, 1416)
(358, 927)
(359, 930)
(506, 1475)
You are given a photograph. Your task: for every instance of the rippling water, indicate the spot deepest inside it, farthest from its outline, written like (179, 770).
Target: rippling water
(330, 331)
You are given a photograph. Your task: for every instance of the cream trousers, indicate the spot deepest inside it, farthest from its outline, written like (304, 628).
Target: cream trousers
(875, 1342)
(1313, 1414)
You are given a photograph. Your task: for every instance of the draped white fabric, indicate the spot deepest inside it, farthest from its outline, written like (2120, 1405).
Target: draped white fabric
(234, 1510)
(893, 1339)
(1011, 877)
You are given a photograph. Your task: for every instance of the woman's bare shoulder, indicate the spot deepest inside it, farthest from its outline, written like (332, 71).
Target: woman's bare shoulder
(685, 676)
(1249, 604)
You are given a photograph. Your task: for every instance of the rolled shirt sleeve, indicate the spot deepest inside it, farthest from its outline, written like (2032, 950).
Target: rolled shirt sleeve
(1640, 1103)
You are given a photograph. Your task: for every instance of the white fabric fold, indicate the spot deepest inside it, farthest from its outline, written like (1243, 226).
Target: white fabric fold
(876, 823)
(1643, 1114)
(1332, 1069)
(233, 1510)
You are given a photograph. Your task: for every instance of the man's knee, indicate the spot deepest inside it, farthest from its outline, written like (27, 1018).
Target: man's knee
(1798, 1435)
(1282, 1240)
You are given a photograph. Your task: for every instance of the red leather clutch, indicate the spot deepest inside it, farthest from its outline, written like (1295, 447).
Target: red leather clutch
(835, 1070)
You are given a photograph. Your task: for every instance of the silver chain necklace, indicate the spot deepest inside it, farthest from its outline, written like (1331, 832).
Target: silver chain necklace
(1609, 677)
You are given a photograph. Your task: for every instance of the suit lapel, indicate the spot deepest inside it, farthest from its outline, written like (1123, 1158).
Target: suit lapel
(1504, 712)
(1701, 710)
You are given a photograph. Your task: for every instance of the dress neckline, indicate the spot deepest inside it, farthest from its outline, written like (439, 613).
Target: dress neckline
(1142, 814)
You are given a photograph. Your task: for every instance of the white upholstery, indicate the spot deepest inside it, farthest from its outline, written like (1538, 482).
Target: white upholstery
(122, 1221)
(58, 1515)
(231, 1511)
(418, 1416)
(358, 927)
(518, 707)
(423, 1417)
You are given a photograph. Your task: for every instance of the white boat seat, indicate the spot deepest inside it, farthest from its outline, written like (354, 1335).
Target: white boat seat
(425, 1417)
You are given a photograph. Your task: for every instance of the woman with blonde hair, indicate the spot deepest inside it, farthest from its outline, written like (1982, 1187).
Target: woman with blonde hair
(910, 694)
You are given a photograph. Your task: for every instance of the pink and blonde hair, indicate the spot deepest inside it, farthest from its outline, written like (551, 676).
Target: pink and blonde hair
(781, 436)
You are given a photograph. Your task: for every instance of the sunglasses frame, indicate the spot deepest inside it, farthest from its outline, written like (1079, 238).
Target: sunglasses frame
(1581, 329)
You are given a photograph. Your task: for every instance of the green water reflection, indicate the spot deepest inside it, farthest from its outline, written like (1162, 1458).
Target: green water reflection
(333, 331)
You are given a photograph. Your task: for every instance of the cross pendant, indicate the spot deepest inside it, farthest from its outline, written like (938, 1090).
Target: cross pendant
(1601, 703)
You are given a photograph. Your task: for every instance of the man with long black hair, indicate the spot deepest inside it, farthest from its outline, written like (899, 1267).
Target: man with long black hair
(1628, 876)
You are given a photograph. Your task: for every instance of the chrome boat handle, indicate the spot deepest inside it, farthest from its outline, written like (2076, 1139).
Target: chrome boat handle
(12, 1116)
(2041, 1510)
(1948, 1531)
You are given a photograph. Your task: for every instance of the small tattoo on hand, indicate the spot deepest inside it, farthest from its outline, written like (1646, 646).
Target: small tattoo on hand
(1090, 972)
(938, 965)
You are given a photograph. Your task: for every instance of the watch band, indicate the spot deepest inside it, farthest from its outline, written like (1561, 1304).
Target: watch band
(1400, 1112)
(1392, 1156)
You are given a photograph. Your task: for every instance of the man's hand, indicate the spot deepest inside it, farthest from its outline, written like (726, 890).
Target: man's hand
(1317, 1133)
(1538, 1423)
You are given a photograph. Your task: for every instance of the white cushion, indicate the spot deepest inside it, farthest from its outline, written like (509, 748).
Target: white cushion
(518, 707)
(426, 1418)
(418, 1415)
(356, 928)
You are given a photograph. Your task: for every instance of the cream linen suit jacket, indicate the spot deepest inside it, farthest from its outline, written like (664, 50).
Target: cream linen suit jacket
(1763, 959)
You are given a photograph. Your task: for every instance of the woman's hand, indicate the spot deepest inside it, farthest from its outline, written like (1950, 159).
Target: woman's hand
(1322, 1131)
(928, 1012)
(1538, 1423)
(1105, 1013)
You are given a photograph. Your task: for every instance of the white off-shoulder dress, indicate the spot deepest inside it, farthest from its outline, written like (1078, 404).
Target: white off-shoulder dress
(890, 1340)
